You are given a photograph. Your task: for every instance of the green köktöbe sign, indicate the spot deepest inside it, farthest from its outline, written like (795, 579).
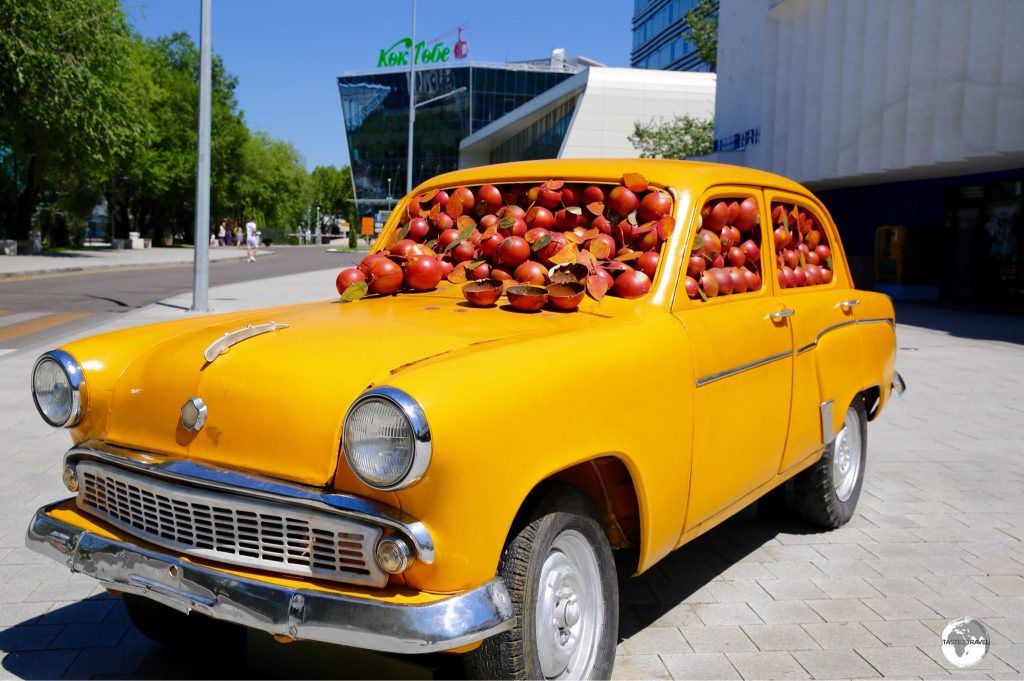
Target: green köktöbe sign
(398, 54)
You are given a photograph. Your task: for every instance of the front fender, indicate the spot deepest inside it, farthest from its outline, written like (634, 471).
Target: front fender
(508, 416)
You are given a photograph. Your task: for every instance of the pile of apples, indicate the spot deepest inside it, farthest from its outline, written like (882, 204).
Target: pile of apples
(519, 233)
(802, 254)
(725, 256)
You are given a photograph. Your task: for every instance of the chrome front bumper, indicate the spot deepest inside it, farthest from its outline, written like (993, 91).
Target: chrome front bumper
(301, 614)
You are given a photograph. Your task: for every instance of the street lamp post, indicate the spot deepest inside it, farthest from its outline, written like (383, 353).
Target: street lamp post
(201, 265)
(412, 102)
(389, 193)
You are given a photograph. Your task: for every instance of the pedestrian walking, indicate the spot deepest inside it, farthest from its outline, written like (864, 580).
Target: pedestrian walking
(221, 233)
(252, 239)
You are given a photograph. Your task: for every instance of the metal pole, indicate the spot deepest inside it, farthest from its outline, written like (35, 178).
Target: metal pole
(201, 267)
(412, 101)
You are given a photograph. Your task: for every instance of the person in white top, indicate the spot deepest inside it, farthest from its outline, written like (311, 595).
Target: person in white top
(252, 239)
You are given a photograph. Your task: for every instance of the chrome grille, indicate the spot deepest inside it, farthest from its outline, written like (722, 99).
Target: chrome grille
(232, 529)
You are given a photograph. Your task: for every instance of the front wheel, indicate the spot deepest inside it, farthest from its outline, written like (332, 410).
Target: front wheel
(561, 576)
(826, 493)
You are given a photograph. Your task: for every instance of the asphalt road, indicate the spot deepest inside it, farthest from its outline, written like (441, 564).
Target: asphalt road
(35, 308)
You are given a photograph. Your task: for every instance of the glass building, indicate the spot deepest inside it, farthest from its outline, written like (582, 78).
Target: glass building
(658, 42)
(375, 108)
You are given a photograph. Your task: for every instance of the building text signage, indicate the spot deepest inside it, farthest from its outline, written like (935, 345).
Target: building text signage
(739, 140)
(398, 54)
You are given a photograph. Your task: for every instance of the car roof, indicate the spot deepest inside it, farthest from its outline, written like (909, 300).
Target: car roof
(668, 172)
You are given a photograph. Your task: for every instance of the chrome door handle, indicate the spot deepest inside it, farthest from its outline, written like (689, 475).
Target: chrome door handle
(782, 314)
(848, 304)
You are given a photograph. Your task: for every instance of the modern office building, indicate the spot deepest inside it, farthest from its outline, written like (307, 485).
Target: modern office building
(901, 114)
(590, 115)
(453, 101)
(658, 42)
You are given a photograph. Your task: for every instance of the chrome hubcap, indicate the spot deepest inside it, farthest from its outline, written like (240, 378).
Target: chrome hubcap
(846, 456)
(570, 610)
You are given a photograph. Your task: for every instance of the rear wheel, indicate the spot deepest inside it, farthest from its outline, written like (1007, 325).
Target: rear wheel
(561, 576)
(826, 493)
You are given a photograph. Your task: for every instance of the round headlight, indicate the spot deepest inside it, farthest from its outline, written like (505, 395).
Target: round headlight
(386, 439)
(56, 388)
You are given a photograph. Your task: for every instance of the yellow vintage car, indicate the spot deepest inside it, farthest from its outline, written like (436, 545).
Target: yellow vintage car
(463, 484)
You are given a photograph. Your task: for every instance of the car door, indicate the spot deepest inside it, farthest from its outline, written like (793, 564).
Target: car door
(742, 355)
(828, 350)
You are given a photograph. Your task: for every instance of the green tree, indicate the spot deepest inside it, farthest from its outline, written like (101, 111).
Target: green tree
(64, 107)
(331, 189)
(273, 183)
(702, 30)
(680, 137)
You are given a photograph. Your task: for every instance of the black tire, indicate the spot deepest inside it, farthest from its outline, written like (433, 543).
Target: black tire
(562, 513)
(166, 625)
(814, 492)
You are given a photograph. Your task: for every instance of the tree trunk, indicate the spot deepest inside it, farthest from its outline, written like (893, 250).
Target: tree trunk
(26, 202)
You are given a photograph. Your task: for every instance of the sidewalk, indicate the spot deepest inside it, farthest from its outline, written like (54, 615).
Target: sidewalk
(95, 259)
(939, 534)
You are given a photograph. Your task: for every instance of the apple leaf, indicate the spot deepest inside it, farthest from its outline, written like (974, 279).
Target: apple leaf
(828, 262)
(629, 256)
(785, 220)
(597, 286)
(489, 232)
(631, 218)
(554, 185)
(600, 249)
(666, 226)
(703, 296)
(435, 211)
(803, 261)
(427, 197)
(572, 237)
(644, 228)
(566, 255)
(458, 275)
(465, 223)
(432, 244)
(635, 182)
(454, 207)
(355, 291)
(588, 260)
(402, 233)
(597, 207)
(591, 233)
(575, 210)
(476, 263)
(541, 241)
(507, 224)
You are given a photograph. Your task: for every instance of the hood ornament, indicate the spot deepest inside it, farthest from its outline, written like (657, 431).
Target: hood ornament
(193, 414)
(221, 345)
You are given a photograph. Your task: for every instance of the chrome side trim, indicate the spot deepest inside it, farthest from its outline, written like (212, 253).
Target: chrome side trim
(294, 613)
(189, 472)
(73, 370)
(828, 329)
(828, 433)
(221, 345)
(704, 380)
(420, 430)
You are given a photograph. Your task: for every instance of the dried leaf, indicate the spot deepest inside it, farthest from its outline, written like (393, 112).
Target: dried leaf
(703, 296)
(644, 228)
(803, 261)
(600, 249)
(573, 237)
(432, 244)
(554, 185)
(629, 256)
(666, 226)
(507, 224)
(589, 259)
(435, 211)
(597, 287)
(591, 233)
(355, 291)
(597, 207)
(566, 255)
(476, 263)
(575, 210)
(542, 241)
(635, 182)
(631, 218)
(428, 196)
(489, 232)
(458, 275)
(465, 223)
(454, 207)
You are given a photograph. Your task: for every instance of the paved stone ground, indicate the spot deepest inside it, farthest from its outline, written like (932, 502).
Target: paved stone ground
(939, 534)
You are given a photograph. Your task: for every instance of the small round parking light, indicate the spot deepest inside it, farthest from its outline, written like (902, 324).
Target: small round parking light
(394, 555)
(70, 479)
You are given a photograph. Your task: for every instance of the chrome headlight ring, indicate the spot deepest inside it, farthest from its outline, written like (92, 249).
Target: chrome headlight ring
(76, 383)
(419, 430)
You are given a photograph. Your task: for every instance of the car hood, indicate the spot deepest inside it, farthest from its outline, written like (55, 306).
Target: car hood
(276, 401)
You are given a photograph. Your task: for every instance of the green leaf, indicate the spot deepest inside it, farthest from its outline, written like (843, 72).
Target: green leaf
(355, 291)
(402, 233)
(828, 262)
(540, 243)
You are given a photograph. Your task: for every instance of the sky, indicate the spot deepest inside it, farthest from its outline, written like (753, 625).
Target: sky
(287, 55)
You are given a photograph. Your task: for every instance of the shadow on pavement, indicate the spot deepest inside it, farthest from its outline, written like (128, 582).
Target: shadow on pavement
(94, 637)
(963, 322)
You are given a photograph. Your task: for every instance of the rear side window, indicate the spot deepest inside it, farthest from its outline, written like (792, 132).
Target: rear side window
(803, 255)
(725, 256)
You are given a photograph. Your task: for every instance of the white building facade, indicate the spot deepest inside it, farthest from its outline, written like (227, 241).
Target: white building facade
(907, 113)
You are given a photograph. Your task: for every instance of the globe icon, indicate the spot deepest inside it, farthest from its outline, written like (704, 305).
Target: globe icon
(965, 642)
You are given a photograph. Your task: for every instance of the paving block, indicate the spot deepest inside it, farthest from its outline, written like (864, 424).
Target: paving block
(701, 666)
(901, 662)
(835, 664)
(726, 613)
(779, 637)
(842, 635)
(718, 639)
(785, 612)
(789, 589)
(843, 610)
(768, 666)
(655, 641)
(899, 607)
